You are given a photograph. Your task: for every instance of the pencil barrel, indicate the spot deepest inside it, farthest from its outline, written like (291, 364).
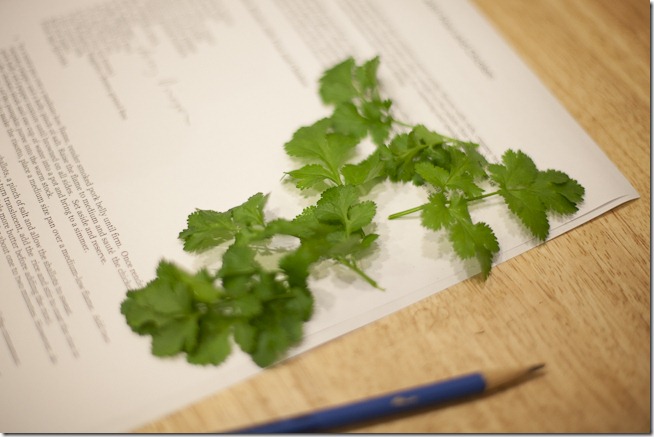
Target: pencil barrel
(402, 401)
(378, 407)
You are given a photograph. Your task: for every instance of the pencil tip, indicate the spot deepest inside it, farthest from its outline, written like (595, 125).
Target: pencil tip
(498, 378)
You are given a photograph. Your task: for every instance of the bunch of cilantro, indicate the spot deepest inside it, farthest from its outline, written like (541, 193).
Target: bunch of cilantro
(259, 298)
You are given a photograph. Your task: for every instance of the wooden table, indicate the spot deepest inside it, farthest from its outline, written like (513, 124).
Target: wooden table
(580, 303)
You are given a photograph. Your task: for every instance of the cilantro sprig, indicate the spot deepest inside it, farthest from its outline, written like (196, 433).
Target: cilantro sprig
(260, 298)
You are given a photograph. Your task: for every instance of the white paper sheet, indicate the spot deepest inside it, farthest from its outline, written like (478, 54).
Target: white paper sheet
(119, 118)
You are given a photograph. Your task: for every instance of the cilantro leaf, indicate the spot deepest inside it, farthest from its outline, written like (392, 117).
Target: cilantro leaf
(207, 229)
(341, 204)
(317, 143)
(347, 120)
(238, 260)
(311, 175)
(354, 91)
(458, 178)
(175, 336)
(279, 326)
(250, 213)
(559, 193)
(214, 344)
(436, 176)
(406, 150)
(398, 158)
(478, 240)
(515, 178)
(336, 84)
(165, 309)
(327, 152)
(346, 81)
(438, 213)
(157, 302)
(530, 193)
(468, 239)
(423, 154)
(369, 170)
(366, 78)
(264, 314)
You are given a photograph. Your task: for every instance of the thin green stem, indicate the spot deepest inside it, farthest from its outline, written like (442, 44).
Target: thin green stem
(482, 196)
(403, 124)
(352, 266)
(421, 207)
(406, 212)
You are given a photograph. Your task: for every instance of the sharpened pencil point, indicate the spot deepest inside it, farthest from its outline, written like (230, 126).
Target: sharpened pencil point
(499, 378)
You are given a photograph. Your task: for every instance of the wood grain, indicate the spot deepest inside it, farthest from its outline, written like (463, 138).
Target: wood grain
(580, 303)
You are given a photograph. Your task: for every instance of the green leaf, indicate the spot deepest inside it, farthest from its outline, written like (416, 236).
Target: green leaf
(166, 298)
(515, 178)
(436, 176)
(427, 137)
(558, 192)
(296, 264)
(238, 260)
(336, 84)
(474, 240)
(250, 213)
(334, 204)
(516, 172)
(299, 304)
(315, 144)
(393, 166)
(530, 193)
(378, 119)
(347, 120)
(367, 171)
(176, 336)
(361, 215)
(359, 111)
(341, 204)
(279, 326)
(463, 173)
(309, 142)
(167, 308)
(201, 285)
(468, 239)
(247, 305)
(270, 345)
(367, 118)
(207, 229)
(441, 212)
(213, 343)
(366, 76)
(403, 152)
(311, 175)
(244, 335)
(529, 208)
(436, 214)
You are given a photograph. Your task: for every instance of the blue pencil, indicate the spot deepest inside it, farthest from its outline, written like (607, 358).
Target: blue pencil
(393, 403)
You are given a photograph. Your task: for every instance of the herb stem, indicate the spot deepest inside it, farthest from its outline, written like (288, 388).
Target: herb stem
(421, 207)
(482, 196)
(406, 212)
(403, 124)
(352, 266)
